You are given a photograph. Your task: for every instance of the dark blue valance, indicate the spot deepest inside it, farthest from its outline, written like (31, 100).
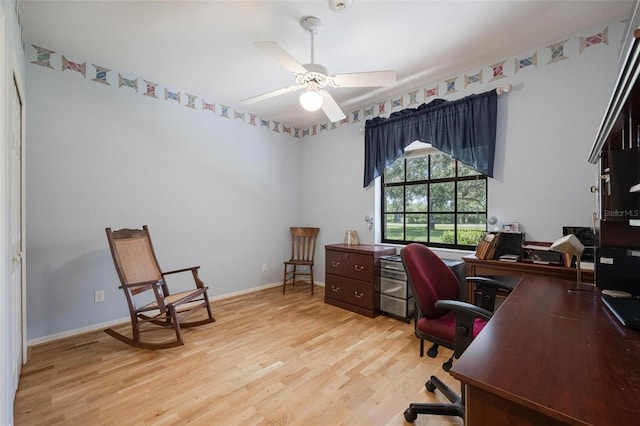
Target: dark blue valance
(465, 129)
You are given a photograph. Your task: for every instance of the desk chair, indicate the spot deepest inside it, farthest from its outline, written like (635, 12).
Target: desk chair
(442, 319)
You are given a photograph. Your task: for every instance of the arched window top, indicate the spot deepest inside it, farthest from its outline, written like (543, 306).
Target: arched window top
(465, 129)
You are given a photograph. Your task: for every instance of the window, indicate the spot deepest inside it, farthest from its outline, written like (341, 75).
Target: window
(433, 199)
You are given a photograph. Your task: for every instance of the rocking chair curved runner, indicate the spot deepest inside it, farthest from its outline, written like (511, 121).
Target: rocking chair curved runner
(141, 278)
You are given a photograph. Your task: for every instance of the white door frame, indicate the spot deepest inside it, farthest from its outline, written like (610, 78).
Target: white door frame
(19, 86)
(12, 297)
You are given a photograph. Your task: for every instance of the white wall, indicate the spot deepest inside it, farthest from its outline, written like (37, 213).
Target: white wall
(220, 193)
(215, 192)
(546, 127)
(333, 197)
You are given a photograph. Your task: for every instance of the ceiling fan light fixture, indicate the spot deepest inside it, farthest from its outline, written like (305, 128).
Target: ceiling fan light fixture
(311, 100)
(314, 78)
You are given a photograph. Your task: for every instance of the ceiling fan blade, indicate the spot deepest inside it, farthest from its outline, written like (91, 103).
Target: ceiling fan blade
(330, 107)
(274, 50)
(365, 79)
(271, 94)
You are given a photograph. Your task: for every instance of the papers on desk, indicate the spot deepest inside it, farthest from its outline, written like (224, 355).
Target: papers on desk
(538, 246)
(587, 266)
(509, 258)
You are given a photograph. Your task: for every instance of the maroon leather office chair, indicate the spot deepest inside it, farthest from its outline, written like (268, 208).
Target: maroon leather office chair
(442, 319)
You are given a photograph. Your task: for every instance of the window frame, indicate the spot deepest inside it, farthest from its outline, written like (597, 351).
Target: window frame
(428, 182)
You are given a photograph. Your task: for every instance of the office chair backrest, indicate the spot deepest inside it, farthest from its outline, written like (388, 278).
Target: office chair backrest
(430, 278)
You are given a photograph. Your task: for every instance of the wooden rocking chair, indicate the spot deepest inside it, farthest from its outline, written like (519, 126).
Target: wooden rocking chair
(141, 277)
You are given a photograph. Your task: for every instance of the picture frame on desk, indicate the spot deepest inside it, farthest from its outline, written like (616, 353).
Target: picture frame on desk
(511, 227)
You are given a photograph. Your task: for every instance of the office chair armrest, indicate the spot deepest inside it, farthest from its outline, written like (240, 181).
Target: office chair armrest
(466, 313)
(505, 282)
(489, 286)
(464, 308)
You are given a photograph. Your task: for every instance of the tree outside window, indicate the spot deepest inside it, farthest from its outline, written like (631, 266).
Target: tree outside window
(434, 200)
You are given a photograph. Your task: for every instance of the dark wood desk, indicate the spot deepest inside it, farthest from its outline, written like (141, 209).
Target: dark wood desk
(477, 267)
(549, 357)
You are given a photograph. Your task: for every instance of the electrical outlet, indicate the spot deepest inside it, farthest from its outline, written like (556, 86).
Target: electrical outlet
(98, 297)
(264, 267)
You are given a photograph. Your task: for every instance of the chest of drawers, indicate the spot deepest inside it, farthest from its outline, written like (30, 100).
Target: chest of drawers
(352, 276)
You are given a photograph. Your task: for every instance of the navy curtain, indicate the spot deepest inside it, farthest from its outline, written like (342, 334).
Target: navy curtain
(465, 129)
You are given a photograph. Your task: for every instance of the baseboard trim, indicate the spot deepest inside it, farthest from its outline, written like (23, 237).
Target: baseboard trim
(101, 326)
(57, 336)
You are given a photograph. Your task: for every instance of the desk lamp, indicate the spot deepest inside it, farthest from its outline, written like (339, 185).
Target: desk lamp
(569, 245)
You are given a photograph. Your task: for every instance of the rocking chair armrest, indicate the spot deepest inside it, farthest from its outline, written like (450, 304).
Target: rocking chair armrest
(142, 283)
(192, 269)
(464, 308)
(194, 272)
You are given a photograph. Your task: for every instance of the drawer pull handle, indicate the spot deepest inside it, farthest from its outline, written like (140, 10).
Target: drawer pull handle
(359, 268)
(358, 295)
(335, 264)
(335, 289)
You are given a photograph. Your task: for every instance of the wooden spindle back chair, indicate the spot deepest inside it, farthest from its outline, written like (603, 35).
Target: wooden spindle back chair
(303, 250)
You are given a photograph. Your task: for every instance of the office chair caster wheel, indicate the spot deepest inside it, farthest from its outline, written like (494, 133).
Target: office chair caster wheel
(410, 416)
(430, 386)
(433, 351)
(447, 365)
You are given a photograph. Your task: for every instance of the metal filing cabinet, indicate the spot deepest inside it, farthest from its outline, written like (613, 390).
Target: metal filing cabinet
(396, 297)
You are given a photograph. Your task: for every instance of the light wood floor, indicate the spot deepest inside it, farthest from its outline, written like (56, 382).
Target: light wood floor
(268, 360)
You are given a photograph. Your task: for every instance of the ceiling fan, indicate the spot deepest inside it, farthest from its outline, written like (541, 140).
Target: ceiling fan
(314, 77)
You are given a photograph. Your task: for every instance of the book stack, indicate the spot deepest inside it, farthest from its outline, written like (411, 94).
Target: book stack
(487, 246)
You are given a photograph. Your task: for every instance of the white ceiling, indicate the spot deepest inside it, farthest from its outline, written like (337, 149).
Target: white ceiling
(206, 47)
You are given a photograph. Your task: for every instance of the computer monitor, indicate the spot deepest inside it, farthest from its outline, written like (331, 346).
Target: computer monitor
(618, 269)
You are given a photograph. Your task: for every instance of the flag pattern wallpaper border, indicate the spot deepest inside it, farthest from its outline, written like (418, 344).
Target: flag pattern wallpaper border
(493, 74)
